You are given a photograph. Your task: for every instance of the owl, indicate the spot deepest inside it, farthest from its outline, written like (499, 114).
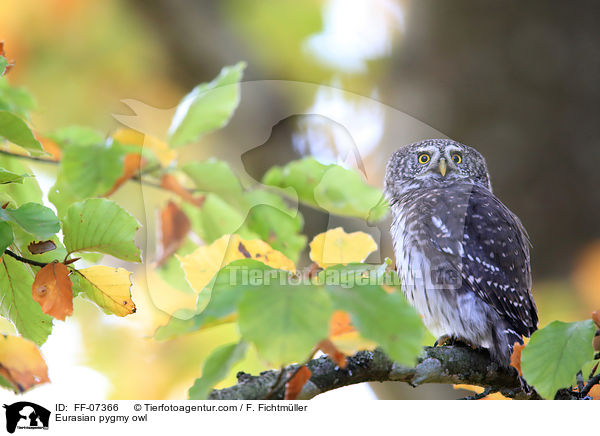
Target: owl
(462, 255)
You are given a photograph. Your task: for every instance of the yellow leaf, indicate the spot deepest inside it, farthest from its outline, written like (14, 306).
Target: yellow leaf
(201, 265)
(21, 363)
(338, 247)
(108, 287)
(159, 148)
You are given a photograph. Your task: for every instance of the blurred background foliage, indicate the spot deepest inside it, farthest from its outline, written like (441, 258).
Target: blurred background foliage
(519, 81)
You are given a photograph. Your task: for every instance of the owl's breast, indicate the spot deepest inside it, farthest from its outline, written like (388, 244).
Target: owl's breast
(446, 309)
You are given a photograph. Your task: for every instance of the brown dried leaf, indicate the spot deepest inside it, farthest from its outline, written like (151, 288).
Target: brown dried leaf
(329, 348)
(21, 363)
(515, 358)
(297, 382)
(41, 247)
(172, 184)
(52, 288)
(175, 226)
(131, 165)
(596, 318)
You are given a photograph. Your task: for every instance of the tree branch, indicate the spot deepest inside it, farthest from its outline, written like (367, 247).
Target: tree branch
(448, 364)
(136, 177)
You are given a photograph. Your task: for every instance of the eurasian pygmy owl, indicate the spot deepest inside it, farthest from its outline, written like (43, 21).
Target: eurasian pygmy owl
(462, 255)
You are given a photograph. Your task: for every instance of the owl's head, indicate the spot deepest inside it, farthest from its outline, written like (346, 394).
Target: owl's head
(433, 163)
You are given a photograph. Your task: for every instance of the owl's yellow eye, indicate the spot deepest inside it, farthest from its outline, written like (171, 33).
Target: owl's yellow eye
(424, 158)
(457, 158)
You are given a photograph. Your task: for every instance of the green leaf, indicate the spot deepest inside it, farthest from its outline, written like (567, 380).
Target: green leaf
(225, 291)
(102, 226)
(91, 169)
(76, 135)
(285, 322)
(15, 130)
(337, 190)
(27, 192)
(556, 353)
(215, 176)
(359, 274)
(33, 218)
(6, 236)
(10, 177)
(3, 65)
(172, 273)
(216, 367)
(14, 99)
(208, 107)
(276, 223)
(17, 303)
(384, 318)
(216, 218)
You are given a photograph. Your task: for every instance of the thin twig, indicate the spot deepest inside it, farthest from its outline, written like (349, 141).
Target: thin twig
(487, 391)
(590, 384)
(25, 260)
(136, 178)
(34, 158)
(275, 386)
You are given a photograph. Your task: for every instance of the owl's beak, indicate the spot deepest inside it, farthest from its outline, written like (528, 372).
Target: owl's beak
(443, 167)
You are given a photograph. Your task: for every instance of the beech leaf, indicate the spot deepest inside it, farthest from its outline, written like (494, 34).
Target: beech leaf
(556, 353)
(338, 247)
(296, 383)
(108, 287)
(52, 288)
(21, 363)
(17, 304)
(102, 226)
(216, 367)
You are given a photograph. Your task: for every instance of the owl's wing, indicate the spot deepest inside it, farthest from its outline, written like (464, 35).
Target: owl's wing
(490, 252)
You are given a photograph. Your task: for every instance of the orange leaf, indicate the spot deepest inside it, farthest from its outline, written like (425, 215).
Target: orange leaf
(51, 147)
(595, 392)
(3, 54)
(41, 247)
(297, 382)
(52, 289)
(515, 358)
(329, 348)
(174, 225)
(339, 324)
(21, 363)
(131, 165)
(170, 182)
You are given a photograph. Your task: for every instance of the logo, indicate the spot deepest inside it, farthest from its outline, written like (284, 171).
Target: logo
(26, 415)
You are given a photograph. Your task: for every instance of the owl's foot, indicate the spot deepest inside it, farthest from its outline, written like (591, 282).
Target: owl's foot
(445, 340)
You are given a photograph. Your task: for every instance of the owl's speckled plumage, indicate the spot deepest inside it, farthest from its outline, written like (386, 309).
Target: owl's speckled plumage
(462, 255)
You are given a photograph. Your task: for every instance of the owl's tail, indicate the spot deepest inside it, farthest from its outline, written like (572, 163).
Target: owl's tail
(503, 340)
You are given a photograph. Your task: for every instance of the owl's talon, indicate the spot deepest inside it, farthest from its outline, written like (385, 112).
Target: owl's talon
(443, 340)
